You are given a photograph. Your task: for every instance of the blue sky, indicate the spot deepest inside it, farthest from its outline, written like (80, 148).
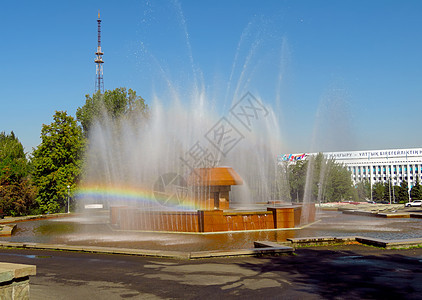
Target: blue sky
(341, 75)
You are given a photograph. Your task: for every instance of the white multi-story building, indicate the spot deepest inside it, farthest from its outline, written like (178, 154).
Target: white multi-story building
(393, 165)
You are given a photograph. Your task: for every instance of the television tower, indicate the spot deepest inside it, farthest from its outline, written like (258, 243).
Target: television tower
(99, 81)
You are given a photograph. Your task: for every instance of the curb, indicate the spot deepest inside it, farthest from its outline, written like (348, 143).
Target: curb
(262, 248)
(7, 229)
(9, 220)
(380, 243)
(153, 253)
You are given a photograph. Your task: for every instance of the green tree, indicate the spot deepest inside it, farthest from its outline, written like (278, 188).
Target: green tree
(297, 178)
(363, 190)
(57, 161)
(330, 181)
(17, 194)
(114, 104)
(403, 194)
(378, 190)
(388, 192)
(13, 162)
(416, 191)
(339, 183)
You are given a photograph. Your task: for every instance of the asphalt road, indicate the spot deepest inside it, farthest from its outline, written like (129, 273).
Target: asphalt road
(335, 272)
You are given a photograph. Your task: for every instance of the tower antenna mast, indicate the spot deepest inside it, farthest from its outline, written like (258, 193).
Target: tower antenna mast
(99, 81)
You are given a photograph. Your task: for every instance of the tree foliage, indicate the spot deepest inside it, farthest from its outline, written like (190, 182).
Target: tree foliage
(328, 181)
(363, 190)
(378, 190)
(16, 191)
(297, 177)
(113, 104)
(17, 198)
(403, 193)
(387, 196)
(13, 162)
(339, 184)
(386, 192)
(57, 161)
(416, 191)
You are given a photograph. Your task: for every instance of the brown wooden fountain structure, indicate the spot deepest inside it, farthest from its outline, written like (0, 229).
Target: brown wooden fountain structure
(212, 188)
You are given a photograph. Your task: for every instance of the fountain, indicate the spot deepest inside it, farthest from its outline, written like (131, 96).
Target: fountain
(163, 173)
(148, 184)
(212, 187)
(166, 174)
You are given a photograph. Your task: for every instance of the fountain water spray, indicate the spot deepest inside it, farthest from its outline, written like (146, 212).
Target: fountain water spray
(128, 159)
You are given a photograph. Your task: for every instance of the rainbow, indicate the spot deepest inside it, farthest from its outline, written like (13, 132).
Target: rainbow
(142, 197)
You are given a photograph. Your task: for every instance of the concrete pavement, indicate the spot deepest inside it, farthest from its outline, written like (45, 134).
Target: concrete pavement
(328, 272)
(10, 219)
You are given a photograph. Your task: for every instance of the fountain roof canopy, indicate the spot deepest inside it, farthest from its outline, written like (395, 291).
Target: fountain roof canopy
(214, 177)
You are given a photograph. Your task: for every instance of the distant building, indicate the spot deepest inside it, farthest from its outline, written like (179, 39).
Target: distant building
(375, 165)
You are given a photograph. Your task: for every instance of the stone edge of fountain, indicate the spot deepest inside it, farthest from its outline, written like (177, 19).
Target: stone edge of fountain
(262, 248)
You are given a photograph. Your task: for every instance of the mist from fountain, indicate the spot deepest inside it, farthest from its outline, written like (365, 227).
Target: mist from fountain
(332, 132)
(130, 156)
(126, 158)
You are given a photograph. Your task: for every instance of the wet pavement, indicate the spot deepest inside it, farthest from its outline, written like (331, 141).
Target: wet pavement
(95, 231)
(325, 272)
(330, 272)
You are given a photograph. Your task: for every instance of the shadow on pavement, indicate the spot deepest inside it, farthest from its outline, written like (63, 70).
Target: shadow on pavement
(348, 274)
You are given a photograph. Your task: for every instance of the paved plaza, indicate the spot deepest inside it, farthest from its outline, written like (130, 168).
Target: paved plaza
(323, 272)
(326, 272)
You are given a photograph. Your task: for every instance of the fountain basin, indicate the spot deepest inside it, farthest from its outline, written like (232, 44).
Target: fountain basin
(131, 218)
(210, 189)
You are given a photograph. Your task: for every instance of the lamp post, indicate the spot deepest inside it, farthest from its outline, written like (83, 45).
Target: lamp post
(68, 199)
(394, 197)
